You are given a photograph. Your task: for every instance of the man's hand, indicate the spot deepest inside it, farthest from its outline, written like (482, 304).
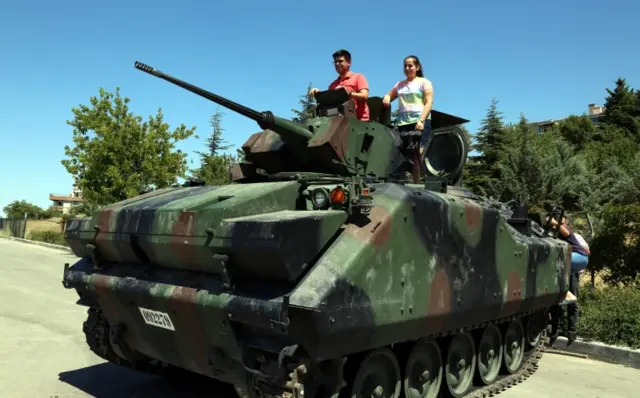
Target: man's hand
(361, 95)
(313, 91)
(386, 100)
(420, 125)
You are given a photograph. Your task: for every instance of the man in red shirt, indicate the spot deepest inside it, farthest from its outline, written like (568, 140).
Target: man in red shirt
(355, 83)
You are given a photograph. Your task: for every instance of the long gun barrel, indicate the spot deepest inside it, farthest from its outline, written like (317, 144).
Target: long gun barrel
(287, 129)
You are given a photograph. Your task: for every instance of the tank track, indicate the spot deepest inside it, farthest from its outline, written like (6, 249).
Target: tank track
(96, 330)
(531, 357)
(529, 363)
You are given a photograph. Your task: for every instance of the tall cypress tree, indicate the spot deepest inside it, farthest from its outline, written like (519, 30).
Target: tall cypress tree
(484, 169)
(306, 102)
(622, 109)
(215, 142)
(214, 166)
(522, 167)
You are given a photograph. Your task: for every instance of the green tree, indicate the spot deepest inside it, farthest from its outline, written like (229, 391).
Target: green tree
(240, 156)
(566, 178)
(394, 114)
(614, 162)
(18, 208)
(484, 173)
(306, 103)
(577, 130)
(522, 167)
(215, 142)
(116, 155)
(617, 245)
(214, 169)
(84, 208)
(622, 109)
(50, 212)
(541, 169)
(613, 159)
(467, 137)
(214, 165)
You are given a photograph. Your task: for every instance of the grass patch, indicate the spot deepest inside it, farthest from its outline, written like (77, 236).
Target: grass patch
(609, 315)
(53, 237)
(52, 224)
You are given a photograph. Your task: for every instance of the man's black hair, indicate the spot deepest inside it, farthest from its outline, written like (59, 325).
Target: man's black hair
(342, 53)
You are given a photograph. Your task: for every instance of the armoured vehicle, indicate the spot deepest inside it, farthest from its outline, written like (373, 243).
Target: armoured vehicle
(320, 271)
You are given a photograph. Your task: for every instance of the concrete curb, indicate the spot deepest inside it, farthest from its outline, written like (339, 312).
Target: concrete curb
(566, 353)
(599, 351)
(34, 242)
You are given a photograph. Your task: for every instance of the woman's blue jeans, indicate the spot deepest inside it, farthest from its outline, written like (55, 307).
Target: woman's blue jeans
(578, 262)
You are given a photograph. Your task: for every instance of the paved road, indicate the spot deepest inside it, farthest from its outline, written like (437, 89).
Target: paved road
(43, 353)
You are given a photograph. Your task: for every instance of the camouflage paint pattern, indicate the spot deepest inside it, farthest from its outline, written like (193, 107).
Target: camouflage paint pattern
(424, 263)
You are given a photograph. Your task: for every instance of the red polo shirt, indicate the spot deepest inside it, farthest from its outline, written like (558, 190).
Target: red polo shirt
(354, 82)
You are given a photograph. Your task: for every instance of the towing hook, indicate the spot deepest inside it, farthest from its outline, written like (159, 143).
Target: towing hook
(65, 271)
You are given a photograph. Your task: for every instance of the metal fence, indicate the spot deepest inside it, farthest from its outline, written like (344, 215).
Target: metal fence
(15, 227)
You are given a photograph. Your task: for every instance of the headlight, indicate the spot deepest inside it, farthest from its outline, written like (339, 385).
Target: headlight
(320, 198)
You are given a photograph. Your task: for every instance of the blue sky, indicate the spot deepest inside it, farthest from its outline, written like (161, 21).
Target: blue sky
(546, 59)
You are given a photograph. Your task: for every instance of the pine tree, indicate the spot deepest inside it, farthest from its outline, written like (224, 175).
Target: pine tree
(577, 130)
(394, 114)
(522, 168)
(566, 178)
(491, 136)
(214, 166)
(240, 157)
(613, 160)
(307, 103)
(467, 137)
(215, 142)
(484, 170)
(622, 110)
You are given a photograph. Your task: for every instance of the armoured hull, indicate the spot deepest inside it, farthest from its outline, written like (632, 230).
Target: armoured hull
(212, 279)
(319, 272)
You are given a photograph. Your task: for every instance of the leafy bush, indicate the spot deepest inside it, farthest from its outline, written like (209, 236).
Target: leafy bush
(52, 237)
(610, 315)
(617, 246)
(50, 213)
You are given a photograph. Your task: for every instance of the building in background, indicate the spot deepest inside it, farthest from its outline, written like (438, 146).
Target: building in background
(595, 113)
(63, 202)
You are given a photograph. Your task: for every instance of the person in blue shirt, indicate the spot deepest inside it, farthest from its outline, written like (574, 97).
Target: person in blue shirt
(579, 261)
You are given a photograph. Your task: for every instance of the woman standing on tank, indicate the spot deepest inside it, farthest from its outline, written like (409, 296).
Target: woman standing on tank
(415, 97)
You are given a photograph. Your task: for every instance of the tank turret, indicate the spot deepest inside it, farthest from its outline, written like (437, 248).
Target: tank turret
(332, 142)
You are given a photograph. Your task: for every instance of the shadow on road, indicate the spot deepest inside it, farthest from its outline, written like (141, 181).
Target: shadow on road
(109, 380)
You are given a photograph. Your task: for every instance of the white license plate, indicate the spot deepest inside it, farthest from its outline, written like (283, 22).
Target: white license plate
(156, 318)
